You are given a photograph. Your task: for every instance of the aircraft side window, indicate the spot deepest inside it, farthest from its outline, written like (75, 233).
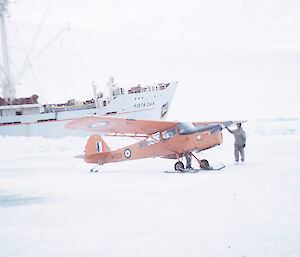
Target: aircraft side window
(154, 138)
(170, 133)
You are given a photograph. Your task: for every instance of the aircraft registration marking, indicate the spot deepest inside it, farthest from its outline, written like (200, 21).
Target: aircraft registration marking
(116, 156)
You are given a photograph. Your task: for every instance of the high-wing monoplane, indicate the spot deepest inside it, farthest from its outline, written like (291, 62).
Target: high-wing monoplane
(165, 139)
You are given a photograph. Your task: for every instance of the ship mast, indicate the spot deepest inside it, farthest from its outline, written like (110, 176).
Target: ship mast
(7, 85)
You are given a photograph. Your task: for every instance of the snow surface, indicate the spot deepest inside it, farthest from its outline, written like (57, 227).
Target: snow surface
(50, 205)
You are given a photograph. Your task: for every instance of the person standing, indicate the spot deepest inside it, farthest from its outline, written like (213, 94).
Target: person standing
(240, 142)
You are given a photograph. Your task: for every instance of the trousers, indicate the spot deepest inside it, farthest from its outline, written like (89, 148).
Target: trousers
(239, 149)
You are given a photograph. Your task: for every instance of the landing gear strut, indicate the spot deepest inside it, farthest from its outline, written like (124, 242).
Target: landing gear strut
(204, 164)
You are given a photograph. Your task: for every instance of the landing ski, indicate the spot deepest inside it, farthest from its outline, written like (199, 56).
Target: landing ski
(195, 170)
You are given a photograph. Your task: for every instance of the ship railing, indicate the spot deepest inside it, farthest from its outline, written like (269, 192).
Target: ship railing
(139, 89)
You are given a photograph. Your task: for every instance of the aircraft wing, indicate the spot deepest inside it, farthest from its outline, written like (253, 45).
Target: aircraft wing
(204, 123)
(133, 127)
(112, 125)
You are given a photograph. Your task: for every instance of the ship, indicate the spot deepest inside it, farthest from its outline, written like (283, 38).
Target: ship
(25, 116)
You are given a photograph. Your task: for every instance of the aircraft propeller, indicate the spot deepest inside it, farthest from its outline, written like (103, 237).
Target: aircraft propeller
(220, 127)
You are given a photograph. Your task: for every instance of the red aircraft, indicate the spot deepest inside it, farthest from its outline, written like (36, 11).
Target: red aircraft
(165, 139)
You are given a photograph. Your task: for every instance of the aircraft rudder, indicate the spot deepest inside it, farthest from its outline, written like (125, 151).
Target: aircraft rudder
(96, 144)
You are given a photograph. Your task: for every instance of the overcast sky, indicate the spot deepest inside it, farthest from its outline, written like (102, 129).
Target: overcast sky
(234, 59)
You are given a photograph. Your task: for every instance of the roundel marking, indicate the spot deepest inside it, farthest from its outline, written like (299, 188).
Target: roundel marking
(127, 153)
(99, 124)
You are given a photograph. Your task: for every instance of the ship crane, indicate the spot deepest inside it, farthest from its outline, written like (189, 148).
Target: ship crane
(8, 81)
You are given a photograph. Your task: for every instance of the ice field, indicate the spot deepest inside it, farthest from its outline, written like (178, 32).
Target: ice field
(50, 205)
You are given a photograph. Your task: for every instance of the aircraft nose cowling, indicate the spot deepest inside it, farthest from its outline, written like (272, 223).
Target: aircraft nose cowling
(194, 130)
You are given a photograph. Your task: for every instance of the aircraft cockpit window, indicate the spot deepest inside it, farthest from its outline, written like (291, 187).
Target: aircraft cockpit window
(170, 133)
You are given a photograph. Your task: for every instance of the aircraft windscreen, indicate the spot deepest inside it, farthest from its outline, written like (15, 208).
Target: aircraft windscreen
(170, 133)
(184, 127)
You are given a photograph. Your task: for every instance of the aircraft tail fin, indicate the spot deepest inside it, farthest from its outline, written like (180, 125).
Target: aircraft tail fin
(96, 144)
